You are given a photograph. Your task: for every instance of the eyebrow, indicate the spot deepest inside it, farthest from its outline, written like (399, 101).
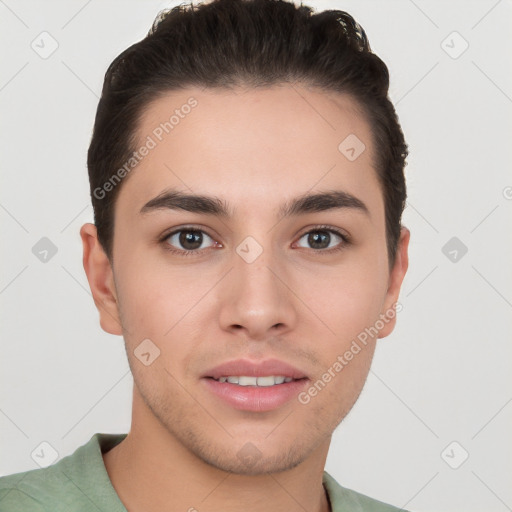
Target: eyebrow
(211, 205)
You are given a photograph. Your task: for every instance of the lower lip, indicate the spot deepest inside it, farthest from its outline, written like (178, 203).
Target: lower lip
(255, 398)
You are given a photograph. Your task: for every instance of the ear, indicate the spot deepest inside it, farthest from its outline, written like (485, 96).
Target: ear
(101, 280)
(396, 277)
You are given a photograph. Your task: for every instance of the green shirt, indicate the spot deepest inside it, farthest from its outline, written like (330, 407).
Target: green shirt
(80, 483)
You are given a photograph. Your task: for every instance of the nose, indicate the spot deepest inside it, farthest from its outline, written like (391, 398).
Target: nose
(256, 300)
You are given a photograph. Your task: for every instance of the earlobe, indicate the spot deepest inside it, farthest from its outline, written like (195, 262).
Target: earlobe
(396, 278)
(100, 276)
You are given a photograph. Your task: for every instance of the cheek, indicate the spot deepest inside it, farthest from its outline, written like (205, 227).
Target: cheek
(348, 299)
(349, 307)
(158, 300)
(333, 392)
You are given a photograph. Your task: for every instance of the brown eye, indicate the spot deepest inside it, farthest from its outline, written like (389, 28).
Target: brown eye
(187, 240)
(321, 239)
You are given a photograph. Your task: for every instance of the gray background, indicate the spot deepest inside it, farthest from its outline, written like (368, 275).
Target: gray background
(443, 376)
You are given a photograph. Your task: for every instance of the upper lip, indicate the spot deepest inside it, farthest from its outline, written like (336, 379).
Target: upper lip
(254, 369)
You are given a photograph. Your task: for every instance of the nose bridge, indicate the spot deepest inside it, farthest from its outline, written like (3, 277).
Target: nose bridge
(255, 299)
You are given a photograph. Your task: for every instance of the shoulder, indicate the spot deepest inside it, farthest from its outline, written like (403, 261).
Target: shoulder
(346, 499)
(75, 482)
(29, 491)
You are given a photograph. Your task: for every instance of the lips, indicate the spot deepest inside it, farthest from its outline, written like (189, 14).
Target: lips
(253, 398)
(250, 368)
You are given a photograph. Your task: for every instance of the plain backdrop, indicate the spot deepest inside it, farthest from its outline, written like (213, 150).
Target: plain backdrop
(431, 430)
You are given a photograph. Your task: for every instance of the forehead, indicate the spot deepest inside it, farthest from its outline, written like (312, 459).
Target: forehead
(254, 146)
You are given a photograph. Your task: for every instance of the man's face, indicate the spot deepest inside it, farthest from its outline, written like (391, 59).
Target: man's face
(254, 284)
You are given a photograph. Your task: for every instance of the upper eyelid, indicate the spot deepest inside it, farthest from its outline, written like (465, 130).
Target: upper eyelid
(173, 231)
(324, 227)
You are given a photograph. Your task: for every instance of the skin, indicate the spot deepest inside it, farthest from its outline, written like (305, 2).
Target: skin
(255, 149)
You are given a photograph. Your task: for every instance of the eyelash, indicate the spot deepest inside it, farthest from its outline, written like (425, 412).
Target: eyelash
(181, 252)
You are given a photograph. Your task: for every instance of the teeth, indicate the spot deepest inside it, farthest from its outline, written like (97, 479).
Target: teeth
(244, 380)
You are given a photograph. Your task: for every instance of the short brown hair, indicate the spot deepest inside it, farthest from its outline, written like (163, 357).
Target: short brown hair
(254, 43)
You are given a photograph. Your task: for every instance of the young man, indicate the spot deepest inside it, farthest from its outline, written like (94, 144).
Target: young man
(246, 172)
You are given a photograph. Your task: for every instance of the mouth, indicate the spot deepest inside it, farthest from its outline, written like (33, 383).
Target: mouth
(251, 385)
(262, 381)
(243, 371)
(254, 394)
